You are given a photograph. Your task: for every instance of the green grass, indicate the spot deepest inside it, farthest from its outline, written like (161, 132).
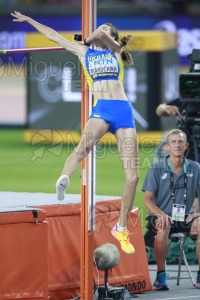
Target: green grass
(35, 168)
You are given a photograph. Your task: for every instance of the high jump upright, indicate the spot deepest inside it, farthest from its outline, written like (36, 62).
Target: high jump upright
(87, 172)
(87, 166)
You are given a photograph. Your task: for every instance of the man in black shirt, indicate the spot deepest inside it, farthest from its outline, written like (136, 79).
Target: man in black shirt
(186, 114)
(171, 109)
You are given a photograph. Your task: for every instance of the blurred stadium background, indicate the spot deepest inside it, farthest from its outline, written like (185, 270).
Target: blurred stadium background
(40, 104)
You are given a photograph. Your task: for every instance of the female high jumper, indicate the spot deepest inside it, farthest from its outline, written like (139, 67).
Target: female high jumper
(112, 111)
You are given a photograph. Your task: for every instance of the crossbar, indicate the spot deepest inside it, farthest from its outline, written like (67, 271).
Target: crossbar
(24, 50)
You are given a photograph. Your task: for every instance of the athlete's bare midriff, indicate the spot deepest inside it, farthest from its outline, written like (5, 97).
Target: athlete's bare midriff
(108, 90)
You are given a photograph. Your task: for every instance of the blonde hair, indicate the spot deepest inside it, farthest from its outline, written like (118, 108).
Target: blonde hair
(177, 131)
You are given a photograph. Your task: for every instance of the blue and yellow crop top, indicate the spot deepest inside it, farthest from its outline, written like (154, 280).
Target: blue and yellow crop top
(102, 65)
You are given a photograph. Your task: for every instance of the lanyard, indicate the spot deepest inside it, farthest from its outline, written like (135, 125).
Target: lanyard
(172, 182)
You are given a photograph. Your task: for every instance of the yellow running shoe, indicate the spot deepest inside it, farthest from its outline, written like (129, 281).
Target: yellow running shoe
(123, 238)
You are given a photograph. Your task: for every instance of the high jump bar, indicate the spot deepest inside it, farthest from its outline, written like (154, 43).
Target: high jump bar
(24, 50)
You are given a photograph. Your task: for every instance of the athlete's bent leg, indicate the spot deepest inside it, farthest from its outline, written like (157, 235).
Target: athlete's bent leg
(93, 131)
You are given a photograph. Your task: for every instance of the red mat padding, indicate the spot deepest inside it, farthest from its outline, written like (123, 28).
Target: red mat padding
(23, 255)
(42, 261)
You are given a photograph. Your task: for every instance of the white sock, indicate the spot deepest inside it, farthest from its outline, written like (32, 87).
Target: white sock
(63, 179)
(121, 228)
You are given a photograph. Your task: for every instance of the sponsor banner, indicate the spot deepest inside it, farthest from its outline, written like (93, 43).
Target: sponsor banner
(135, 286)
(60, 137)
(151, 40)
(186, 27)
(54, 88)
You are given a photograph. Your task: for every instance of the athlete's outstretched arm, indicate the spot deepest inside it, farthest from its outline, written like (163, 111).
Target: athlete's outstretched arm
(51, 34)
(102, 36)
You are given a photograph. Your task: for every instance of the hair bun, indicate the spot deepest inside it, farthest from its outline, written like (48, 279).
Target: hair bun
(125, 40)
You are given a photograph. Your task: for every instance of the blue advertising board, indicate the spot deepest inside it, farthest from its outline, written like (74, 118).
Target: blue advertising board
(12, 34)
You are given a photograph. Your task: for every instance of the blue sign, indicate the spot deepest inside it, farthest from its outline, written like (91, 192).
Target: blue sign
(13, 34)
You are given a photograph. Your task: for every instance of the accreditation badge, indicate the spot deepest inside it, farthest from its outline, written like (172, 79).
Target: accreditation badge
(178, 212)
